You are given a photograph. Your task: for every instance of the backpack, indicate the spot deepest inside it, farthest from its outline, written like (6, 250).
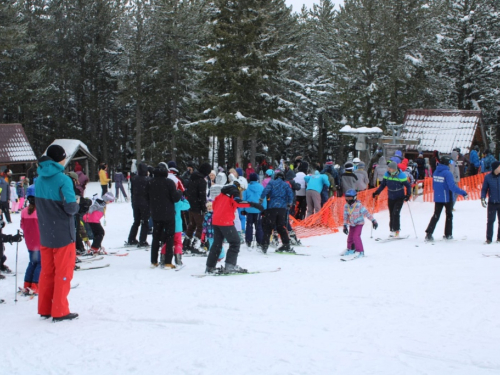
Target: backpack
(85, 204)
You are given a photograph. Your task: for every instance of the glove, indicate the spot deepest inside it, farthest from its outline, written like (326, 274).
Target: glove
(14, 238)
(243, 213)
(466, 196)
(346, 230)
(374, 195)
(407, 198)
(256, 205)
(375, 224)
(483, 202)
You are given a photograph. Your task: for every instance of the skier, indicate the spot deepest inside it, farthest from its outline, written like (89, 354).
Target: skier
(224, 207)
(56, 205)
(314, 187)
(140, 206)
(6, 238)
(197, 197)
(444, 187)
(486, 161)
(29, 225)
(348, 178)
(354, 219)
(300, 212)
(162, 196)
(396, 181)
(253, 215)
(362, 181)
(180, 206)
(93, 217)
(119, 178)
(103, 178)
(14, 200)
(380, 171)
(208, 230)
(420, 166)
(280, 197)
(491, 188)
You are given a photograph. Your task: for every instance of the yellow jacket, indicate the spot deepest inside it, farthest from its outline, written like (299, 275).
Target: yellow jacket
(103, 178)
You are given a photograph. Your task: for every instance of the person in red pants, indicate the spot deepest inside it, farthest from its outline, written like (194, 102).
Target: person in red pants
(56, 205)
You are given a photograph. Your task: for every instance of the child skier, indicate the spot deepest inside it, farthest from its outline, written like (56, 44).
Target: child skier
(20, 195)
(182, 205)
(208, 230)
(354, 219)
(14, 200)
(224, 207)
(29, 225)
(6, 238)
(93, 218)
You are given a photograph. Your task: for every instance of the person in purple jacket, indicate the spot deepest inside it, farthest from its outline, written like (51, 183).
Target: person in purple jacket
(119, 178)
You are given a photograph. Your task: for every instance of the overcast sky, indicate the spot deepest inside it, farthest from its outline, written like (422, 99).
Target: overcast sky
(297, 4)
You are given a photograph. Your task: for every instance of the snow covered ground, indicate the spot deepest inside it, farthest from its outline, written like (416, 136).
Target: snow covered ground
(407, 308)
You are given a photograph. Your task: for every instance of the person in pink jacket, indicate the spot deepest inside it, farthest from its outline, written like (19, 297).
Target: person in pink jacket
(29, 225)
(268, 177)
(93, 218)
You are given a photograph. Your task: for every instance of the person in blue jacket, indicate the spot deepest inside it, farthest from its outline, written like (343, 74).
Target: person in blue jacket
(252, 194)
(474, 161)
(280, 198)
(487, 161)
(444, 186)
(491, 187)
(396, 181)
(314, 188)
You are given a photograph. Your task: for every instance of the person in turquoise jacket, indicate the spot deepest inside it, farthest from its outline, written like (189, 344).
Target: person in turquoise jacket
(181, 205)
(254, 218)
(314, 187)
(56, 206)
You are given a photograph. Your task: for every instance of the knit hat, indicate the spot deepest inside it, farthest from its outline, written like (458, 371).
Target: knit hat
(73, 175)
(78, 167)
(392, 165)
(270, 172)
(253, 177)
(349, 166)
(361, 165)
(495, 165)
(240, 171)
(56, 153)
(205, 169)
(172, 166)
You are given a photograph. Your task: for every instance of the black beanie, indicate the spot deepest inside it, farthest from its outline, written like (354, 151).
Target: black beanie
(56, 153)
(495, 165)
(205, 169)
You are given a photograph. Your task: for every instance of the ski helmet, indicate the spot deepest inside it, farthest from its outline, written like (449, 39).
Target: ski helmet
(445, 160)
(349, 166)
(351, 193)
(356, 160)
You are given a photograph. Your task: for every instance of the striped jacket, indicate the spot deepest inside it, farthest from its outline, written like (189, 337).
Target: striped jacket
(355, 214)
(395, 185)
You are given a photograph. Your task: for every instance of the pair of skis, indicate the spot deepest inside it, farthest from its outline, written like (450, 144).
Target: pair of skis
(234, 274)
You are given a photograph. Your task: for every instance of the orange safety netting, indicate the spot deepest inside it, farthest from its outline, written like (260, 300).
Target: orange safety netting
(331, 216)
(472, 185)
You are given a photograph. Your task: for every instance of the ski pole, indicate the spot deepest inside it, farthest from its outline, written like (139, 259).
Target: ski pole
(412, 220)
(17, 252)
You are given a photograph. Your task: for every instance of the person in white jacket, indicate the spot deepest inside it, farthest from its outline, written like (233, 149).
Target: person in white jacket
(300, 212)
(14, 199)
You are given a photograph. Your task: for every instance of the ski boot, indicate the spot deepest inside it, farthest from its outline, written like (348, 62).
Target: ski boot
(212, 270)
(153, 265)
(285, 249)
(275, 242)
(2, 277)
(488, 242)
(359, 254)
(163, 260)
(186, 245)
(133, 242)
(5, 269)
(178, 259)
(249, 244)
(429, 238)
(70, 316)
(347, 252)
(242, 237)
(195, 247)
(232, 268)
(293, 239)
(448, 238)
(143, 244)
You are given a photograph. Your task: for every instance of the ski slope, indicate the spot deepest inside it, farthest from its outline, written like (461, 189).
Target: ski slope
(407, 308)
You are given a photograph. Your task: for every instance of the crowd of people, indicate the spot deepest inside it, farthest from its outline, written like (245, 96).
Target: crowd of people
(193, 213)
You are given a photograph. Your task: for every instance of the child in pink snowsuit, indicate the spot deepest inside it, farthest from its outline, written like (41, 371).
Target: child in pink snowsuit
(182, 205)
(354, 219)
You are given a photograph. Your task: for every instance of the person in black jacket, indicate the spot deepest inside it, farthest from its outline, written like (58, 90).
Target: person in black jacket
(197, 197)
(140, 207)
(6, 238)
(162, 195)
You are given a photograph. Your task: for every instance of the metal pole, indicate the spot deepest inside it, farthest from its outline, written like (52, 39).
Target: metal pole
(17, 252)
(412, 220)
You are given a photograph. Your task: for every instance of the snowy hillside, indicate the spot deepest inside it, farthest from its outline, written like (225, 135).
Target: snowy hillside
(407, 308)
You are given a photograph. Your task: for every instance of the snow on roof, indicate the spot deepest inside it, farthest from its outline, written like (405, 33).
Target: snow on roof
(72, 146)
(14, 145)
(441, 130)
(361, 130)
